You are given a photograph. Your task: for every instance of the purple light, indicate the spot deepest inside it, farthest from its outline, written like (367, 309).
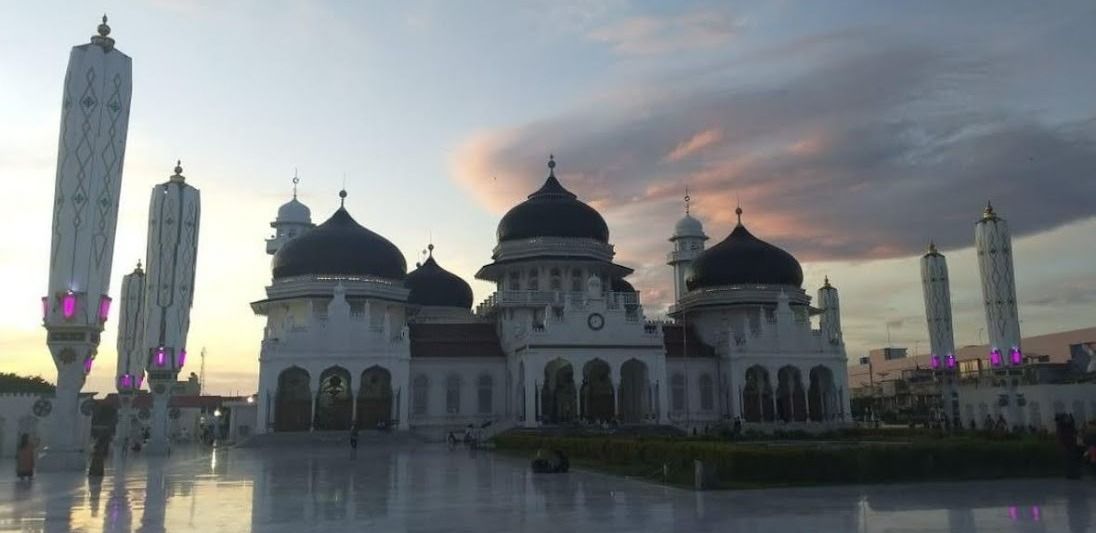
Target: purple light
(1013, 513)
(127, 381)
(87, 364)
(995, 357)
(1036, 513)
(182, 358)
(1016, 356)
(160, 356)
(45, 307)
(68, 304)
(951, 362)
(935, 362)
(104, 308)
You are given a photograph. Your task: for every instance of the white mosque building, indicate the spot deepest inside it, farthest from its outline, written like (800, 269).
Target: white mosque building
(352, 337)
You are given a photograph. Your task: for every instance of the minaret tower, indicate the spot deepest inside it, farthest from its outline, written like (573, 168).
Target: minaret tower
(294, 218)
(130, 372)
(173, 217)
(993, 242)
(90, 153)
(688, 240)
(934, 283)
(830, 320)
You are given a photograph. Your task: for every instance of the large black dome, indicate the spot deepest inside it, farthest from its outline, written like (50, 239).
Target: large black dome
(742, 259)
(552, 211)
(432, 285)
(340, 246)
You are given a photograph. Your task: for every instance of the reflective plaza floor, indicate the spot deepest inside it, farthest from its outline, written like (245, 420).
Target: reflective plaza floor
(429, 488)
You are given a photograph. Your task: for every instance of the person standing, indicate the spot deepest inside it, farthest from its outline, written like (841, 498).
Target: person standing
(98, 456)
(354, 436)
(24, 460)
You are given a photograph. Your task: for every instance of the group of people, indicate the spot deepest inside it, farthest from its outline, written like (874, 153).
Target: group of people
(26, 457)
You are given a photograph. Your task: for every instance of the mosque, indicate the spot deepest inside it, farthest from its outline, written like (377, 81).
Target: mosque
(352, 337)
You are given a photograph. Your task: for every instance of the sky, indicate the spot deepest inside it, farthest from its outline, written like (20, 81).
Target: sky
(851, 133)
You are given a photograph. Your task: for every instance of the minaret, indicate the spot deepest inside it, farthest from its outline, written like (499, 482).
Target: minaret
(688, 240)
(830, 320)
(294, 218)
(934, 283)
(130, 371)
(173, 217)
(90, 153)
(994, 245)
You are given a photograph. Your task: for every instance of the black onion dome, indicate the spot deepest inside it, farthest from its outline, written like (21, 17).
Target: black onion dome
(340, 246)
(742, 259)
(432, 285)
(621, 285)
(552, 211)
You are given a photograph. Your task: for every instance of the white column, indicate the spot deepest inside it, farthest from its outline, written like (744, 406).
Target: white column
(530, 393)
(401, 396)
(661, 386)
(615, 380)
(314, 387)
(158, 443)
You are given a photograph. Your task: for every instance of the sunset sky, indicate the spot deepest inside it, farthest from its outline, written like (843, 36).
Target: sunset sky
(852, 133)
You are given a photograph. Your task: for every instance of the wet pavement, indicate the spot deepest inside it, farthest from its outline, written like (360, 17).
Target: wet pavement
(429, 488)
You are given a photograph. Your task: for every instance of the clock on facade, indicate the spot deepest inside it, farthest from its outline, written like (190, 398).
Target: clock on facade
(595, 321)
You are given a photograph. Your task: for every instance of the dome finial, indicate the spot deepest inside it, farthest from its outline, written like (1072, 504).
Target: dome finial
(102, 38)
(296, 180)
(551, 165)
(138, 269)
(687, 199)
(342, 198)
(430, 250)
(738, 213)
(989, 213)
(932, 247)
(826, 282)
(178, 175)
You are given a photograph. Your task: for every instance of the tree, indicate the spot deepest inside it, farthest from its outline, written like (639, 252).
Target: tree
(11, 382)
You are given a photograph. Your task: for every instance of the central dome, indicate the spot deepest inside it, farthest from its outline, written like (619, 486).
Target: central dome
(552, 211)
(742, 259)
(432, 285)
(341, 247)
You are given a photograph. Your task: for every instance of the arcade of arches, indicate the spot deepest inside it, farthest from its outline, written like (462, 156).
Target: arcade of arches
(789, 401)
(563, 398)
(334, 405)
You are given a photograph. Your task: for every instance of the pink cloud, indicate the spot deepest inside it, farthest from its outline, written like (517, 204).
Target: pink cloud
(651, 35)
(695, 144)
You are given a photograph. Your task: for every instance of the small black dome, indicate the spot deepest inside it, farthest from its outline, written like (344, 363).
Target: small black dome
(552, 211)
(742, 259)
(621, 285)
(340, 246)
(432, 285)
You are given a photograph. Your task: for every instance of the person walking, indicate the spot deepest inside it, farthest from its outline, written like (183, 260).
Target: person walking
(24, 458)
(98, 456)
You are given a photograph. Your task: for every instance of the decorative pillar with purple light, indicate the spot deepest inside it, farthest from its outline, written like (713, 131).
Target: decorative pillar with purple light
(937, 293)
(131, 353)
(94, 122)
(174, 215)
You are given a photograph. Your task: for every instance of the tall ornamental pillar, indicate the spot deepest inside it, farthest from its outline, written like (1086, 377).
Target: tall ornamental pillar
(90, 153)
(130, 372)
(173, 217)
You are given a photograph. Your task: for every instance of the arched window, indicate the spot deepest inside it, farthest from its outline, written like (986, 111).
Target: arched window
(707, 394)
(555, 280)
(452, 395)
(420, 394)
(577, 280)
(515, 281)
(485, 391)
(534, 281)
(677, 390)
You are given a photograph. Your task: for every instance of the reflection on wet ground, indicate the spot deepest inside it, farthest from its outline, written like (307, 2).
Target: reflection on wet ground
(433, 489)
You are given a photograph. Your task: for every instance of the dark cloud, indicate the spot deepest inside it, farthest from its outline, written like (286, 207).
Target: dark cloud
(866, 154)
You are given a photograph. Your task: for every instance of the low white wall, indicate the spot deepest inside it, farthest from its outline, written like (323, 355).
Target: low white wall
(17, 417)
(1042, 402)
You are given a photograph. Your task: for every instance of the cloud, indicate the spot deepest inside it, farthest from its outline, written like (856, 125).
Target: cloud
(654, 35)
(867, 155)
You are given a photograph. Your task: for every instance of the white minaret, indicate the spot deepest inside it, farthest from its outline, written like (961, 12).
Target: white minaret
(830, 319)
(994, 245)
(688, 240)
(90, 153)
(294, 218)
(131, 354)
(934, 284)
(173, 217)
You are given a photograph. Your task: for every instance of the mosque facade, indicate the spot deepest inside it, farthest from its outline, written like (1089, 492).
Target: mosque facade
(353, 338)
